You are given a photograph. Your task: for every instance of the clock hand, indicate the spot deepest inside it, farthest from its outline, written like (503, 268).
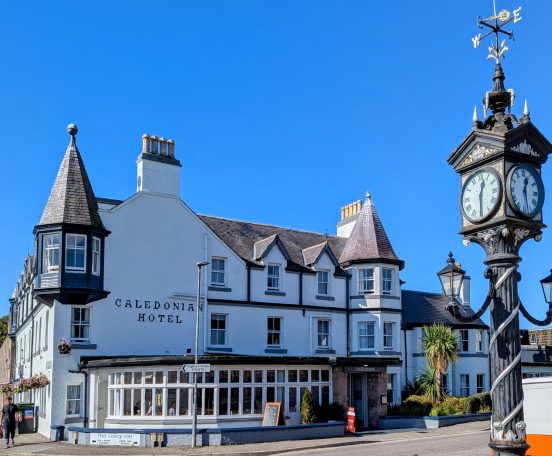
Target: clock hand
(481, 199)
(525, 182)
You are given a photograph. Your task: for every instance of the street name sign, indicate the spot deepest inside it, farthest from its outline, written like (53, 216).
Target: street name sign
(196, 368)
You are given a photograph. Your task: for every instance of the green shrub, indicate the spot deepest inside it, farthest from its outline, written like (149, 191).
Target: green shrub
(454, 406)
(486, 401)
(409, 389)
(438, 409)
(308, 415)
(473, 404)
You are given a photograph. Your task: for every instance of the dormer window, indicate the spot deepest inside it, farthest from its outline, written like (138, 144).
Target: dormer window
(50, 257)
(366, 281)
(75, 253)
(96, 255)
(273, 277)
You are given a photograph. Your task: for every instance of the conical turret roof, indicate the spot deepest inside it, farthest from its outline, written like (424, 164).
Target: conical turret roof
(368, 241)
(72, 199)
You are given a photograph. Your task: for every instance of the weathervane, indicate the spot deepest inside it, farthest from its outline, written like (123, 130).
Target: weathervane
(496, 23)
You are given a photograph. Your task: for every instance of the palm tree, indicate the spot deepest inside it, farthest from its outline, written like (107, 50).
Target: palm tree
(440, 347)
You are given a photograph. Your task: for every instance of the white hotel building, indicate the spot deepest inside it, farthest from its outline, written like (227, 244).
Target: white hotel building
(282, 310)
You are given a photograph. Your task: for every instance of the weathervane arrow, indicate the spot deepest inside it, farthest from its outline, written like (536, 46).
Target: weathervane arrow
(496, 24)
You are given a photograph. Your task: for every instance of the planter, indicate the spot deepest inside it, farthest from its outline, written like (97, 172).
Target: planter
(429, 422)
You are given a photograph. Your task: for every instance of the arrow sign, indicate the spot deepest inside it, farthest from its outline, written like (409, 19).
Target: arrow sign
(196, 368)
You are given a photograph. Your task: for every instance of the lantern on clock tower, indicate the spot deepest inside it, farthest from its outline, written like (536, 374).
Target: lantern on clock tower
(501, 200)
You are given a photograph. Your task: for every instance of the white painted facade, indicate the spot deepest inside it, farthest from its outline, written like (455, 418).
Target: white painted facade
(150, 273)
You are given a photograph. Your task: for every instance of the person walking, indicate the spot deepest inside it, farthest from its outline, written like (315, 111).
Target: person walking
(10, 416)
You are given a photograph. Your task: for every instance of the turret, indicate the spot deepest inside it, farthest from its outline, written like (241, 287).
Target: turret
(70, 237)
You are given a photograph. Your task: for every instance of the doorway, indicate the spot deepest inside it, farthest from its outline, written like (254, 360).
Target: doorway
(101, 411)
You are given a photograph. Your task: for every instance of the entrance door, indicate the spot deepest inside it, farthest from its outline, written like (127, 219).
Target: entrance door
(360, 399)
(102, 401)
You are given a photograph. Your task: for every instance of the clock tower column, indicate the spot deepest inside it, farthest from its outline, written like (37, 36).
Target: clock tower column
(502, 194)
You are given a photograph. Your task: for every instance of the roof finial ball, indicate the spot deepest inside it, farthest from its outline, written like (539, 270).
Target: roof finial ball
(72, 129)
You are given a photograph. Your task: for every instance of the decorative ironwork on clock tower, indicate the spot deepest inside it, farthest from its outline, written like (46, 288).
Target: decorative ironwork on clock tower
(502, 194)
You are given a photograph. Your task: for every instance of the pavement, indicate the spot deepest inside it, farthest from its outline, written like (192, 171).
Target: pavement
(35, 444)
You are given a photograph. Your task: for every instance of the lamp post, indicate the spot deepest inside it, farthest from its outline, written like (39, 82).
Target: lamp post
(200, 265)
(546, 284)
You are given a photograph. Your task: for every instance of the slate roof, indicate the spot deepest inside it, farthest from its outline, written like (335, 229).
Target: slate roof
(72, 199)
(241, 238)
(368, 240)
(421, 308)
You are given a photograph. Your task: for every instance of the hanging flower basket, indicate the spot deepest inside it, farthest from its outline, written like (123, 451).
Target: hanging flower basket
(64, 346)
(25, 384)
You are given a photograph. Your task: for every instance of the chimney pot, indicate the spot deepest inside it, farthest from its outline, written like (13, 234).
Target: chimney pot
(154, 143)
(145, 143)
(163, 146)
(170, 144)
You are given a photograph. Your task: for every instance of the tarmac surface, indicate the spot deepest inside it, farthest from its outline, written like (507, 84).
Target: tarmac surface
(461, 439)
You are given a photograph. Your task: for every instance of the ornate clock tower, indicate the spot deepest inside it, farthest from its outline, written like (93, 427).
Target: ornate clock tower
(501, 200)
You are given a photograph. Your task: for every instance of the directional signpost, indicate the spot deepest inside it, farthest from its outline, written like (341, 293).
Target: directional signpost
(196, 368)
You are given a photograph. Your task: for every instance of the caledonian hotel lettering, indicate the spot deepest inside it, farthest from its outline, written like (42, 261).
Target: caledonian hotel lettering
(157, 305)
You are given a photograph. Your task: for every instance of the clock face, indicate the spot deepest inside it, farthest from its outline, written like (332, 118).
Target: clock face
(525, 190)
(481, 195)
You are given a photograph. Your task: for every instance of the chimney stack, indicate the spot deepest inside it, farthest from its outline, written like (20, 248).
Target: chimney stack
(158, 168)
(348, 218)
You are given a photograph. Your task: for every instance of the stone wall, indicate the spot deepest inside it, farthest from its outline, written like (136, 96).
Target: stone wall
(340, 386)
(377, 387)
(5, 361)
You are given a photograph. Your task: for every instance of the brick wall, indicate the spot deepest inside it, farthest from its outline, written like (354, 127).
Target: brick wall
(340, 386)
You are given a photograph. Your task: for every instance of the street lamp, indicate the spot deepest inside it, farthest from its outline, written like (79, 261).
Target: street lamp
(200, 265)
(546, 284)
(451, 277)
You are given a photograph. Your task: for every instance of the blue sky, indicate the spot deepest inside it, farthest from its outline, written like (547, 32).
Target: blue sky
(282, 112)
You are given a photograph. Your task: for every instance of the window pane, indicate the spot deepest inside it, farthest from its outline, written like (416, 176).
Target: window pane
(148, 378)
(270, 376)
(292, 376)
(159, 377)
(315, 375)
(234, 401)
(325, 375)
(223, 377)
(209, 398)
(258, 401)
(258, 376)
(172, 377)
(270, 393)
(137, 400)
(246, 401)
(247, 376)
(128, 378)
(292, 399)
(171, 402)
(127, 402)
(183, 406)
(223, 401)
(148, 398)
(281, 376)
(303, 375)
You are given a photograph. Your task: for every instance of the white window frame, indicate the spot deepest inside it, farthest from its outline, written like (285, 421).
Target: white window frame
(275, 279)
(327, 334)
(391, 387)
(274, 331)
(48, 250)
(217, 271)
(388, 336)
(75, 247)
(81, 340)
(464, 387)
(363, 281)
(78, 400)
(386, 281)
(218, 330)
(320, 281)
(479, 341)
(462, 340)
(479, 389)
(367, 336)
(96, 255)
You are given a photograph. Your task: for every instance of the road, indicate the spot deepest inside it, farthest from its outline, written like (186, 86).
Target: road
(468, 443)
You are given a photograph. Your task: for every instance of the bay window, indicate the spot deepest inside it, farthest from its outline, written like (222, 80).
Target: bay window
(366, 281)
(75, 252)
(366, 336)
(96, 252)
(50, 252)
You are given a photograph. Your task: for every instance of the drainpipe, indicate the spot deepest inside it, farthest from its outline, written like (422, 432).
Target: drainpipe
(347, 313)
(83, 372)
(248, 267)
(405, 359)
(301, 288)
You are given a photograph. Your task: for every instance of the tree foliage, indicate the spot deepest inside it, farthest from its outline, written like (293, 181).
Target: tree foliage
(440, 347)
(308, 416)
(4, 327)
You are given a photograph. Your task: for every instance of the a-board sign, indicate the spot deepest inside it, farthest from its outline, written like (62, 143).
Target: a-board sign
(196, 368)
(116, 439)
(351, 417)
(274, 414)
